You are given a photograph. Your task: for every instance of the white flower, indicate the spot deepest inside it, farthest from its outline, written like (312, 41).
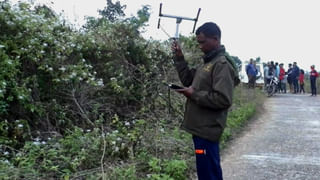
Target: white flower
(10, 23)
(6, 153)
(83, 60)
(162, 130)
(45, 44)
(2, 46)
(42, 51)
(113, 142)
(1, 91)
(116, 149)
(20, 97)
(113, 79)
(62, 69)
(100, 83)
(127, 123)
(119, 139)
(20, 125)
(6, 161)
(116, 131)
(72, 75)
(50, 69)
(36, 143)
(88, 130)
(4, 83)
(43, 142)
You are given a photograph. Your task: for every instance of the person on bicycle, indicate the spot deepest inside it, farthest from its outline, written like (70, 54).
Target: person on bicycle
(270, 72)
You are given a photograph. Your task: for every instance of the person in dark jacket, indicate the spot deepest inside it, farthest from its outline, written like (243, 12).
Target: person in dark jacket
(289, 77)
(295, 77)
(313, 81)
(209, 95)
(252, 72)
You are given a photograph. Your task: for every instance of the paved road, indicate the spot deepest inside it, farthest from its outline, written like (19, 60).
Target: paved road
(283, 143)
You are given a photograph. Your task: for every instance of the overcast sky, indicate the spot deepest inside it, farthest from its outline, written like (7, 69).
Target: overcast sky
(280, 30)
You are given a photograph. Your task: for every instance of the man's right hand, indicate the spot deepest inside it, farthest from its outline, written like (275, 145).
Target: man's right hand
(176, 49)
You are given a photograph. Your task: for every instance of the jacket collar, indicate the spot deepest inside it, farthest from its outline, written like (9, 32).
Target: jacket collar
(214, 53)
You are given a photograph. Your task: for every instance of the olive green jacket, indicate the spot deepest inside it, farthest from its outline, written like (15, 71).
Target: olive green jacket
(213, 82)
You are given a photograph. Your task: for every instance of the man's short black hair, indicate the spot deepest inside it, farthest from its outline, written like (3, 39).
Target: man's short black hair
(209, 29)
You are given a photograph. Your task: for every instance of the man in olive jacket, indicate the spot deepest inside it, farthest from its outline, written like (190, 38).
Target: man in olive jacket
(209, 95)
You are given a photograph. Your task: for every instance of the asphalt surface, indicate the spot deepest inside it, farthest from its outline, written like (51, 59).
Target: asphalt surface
(282, 143)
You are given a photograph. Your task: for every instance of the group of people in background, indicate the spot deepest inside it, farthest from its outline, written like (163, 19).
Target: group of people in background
(294, 76)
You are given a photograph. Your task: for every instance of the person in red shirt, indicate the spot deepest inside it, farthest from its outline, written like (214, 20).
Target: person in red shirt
(282, 74)
(301, 81)
(313, 80)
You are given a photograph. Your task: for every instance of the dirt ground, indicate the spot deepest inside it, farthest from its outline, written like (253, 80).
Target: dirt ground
(282, 143)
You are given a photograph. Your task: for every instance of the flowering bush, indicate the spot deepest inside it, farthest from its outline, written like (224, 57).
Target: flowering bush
(65, 93)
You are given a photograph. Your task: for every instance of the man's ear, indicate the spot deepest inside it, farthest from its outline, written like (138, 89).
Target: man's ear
(217, 40)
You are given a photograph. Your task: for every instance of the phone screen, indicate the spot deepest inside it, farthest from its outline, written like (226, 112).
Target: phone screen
(173, 86)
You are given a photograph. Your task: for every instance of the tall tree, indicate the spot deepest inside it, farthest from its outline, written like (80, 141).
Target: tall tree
(113, 11)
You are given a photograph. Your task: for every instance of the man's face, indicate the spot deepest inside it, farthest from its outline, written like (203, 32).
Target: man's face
(207, 44)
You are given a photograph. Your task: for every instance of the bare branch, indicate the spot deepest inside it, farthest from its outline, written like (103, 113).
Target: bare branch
(83, 113)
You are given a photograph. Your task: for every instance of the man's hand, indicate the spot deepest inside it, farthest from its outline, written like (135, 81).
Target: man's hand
(186, 91)
(176, 49)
